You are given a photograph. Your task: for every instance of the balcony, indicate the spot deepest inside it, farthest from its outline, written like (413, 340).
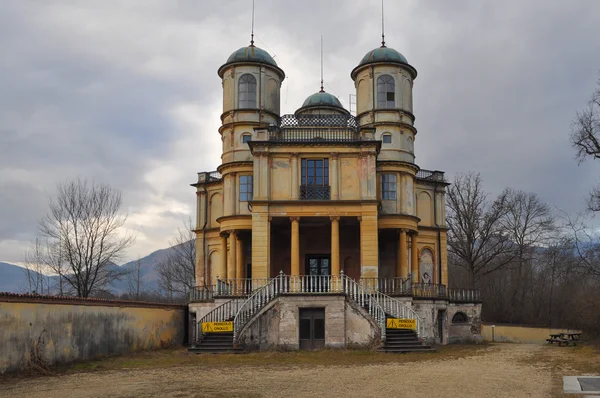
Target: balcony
(318, 128)
(431, 175)
(315, 192)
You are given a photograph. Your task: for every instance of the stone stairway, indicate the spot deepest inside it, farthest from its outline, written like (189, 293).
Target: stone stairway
(403, 340)
(215, 343)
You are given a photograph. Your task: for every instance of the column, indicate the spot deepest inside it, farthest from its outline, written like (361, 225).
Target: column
(231, 264)
(335, 246)
(333, 175)
(414, 259)
(295, 246)
(233, 193)
(239, 265)
(403, 263)
(295, 185)
(223, 268)
(369, 247)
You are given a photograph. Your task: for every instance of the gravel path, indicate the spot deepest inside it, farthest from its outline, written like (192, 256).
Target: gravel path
(501, 371)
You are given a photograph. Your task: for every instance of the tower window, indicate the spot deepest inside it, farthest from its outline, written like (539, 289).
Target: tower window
(247, 91)
(386, 93)
(387, 139)
(245, 188)
(246, 138)
(388, 186)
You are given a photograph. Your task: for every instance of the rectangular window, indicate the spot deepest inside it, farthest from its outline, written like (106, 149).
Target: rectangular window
(245, 188)
(387, 139)
(388, 186)
(315, 171)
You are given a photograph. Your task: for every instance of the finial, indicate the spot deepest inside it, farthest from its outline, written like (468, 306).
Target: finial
(252, 34)
(382, 27)
(322, 91)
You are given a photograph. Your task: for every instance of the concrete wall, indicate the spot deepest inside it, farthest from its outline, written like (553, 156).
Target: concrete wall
(65, 330)
(518, 333)
(276, 326)
(469, 331)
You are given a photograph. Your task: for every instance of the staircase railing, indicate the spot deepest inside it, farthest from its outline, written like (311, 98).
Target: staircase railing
(398, 309)
(222, 313)
(307, 284)
(365, 299)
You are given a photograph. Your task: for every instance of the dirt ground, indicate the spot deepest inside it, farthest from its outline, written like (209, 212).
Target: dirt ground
(502, 370)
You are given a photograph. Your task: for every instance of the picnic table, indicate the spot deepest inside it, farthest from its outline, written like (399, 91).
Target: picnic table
(565, 338)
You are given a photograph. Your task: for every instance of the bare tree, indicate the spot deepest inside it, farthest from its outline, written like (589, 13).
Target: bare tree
(134, 280)
(35, 268)
(585, 138)
(476, 240)
(585, 243)
(83, 230)
(177, 271)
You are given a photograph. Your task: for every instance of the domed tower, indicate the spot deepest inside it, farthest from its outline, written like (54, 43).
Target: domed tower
(251, 93)
(384, 81)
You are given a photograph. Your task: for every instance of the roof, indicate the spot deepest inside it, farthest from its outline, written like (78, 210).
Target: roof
(322, 99)
(383, 54)
(251, 54)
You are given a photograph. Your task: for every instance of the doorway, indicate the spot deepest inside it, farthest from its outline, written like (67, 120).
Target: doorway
(318, 269)
(312, 328)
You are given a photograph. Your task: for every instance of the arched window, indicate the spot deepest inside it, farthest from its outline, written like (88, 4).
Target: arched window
(386, 93)
(246, 138)
(247, 91)
(387, 138)
(460, 317)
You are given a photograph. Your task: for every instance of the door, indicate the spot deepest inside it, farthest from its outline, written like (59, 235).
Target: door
(319, 270)
(441, 318)
(312, 328)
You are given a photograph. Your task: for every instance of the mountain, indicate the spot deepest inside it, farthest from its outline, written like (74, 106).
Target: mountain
(12, 278)
(148, 272)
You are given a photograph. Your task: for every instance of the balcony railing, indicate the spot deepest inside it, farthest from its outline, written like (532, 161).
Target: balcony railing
(209, 176)
(309, 284)
(311, 128)
(431, 175)
(315, 192)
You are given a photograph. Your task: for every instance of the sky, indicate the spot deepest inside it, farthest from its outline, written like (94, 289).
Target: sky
(127, 93)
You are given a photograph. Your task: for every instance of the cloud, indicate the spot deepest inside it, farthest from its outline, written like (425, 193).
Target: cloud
(127, 93)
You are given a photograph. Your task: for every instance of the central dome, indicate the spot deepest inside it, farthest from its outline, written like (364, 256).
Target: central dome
(322, 99)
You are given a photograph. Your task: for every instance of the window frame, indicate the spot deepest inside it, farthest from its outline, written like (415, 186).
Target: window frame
(306, 170)
(247, 91)
(246, 189)
(389, 180)
(384, 84)
(388, 136)
(244, 141)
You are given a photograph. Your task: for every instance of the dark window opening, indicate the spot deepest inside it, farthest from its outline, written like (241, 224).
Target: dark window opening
(246, 138)
(388, 186)
(460, 317)
(245, 188)
(387, 139)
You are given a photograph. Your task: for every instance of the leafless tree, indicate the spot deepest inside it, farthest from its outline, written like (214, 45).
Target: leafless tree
(134, 280)
(35, 268)
(84, 230)
(177, 271)
(476, 240)
(585, 138)
(585, 242)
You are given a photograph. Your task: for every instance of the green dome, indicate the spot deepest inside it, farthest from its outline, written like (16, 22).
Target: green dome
(383, 54)
(322, 99)
(251, 54)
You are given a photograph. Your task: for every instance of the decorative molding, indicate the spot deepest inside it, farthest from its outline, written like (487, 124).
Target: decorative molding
(334, 155)
(334, 218)
(296, 218)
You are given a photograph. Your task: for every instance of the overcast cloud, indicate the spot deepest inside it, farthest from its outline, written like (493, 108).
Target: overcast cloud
(127, 93)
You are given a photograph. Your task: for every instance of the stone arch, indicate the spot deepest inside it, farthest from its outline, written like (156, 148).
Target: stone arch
(362, 96)
(424, 208)
(215, 208)
(214, 260)
(426, 265)
(273, 95)
(407, 95)
(460, 317)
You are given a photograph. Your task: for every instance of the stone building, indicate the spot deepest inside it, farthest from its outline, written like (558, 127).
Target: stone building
(319, 225)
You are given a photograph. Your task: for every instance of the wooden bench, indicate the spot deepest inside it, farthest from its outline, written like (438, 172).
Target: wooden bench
(564, 338)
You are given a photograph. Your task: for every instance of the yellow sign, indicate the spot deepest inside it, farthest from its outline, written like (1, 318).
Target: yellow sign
(216, 327)
(401, 323)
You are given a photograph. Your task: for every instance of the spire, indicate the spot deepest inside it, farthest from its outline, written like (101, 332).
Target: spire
(252, 34)
(382, 27)
(322, 91)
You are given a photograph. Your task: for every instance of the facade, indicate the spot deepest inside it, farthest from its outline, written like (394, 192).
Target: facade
(307, 207)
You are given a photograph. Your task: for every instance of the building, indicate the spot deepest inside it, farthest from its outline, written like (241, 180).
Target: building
(317, 226)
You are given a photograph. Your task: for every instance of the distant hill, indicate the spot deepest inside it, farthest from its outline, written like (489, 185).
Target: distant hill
(12, 278)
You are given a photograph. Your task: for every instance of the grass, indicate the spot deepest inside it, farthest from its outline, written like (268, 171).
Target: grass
(339, 357)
